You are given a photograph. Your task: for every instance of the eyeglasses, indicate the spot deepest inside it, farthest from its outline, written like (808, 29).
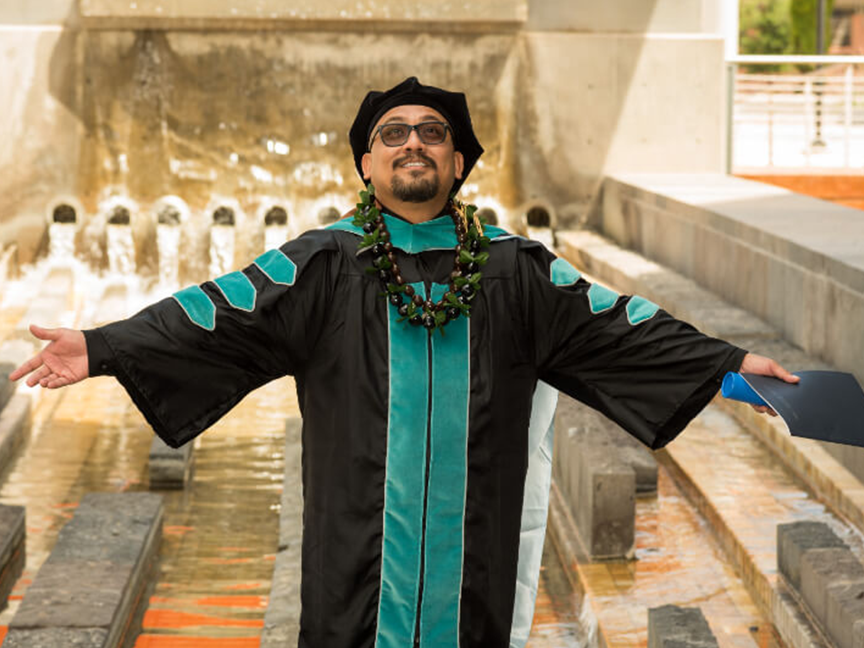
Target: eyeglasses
(395, 134)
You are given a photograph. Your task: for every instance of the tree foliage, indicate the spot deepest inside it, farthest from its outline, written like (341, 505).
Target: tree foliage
(780, 27)
(765, 26)
(804, 25)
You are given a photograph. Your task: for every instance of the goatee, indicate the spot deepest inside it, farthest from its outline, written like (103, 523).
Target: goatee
(417, 191)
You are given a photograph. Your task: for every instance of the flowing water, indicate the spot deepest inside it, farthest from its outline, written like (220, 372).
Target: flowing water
(121, 249)
(221, 249)
(168, 250)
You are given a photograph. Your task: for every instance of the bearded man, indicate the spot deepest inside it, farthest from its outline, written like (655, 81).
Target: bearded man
(419, 423)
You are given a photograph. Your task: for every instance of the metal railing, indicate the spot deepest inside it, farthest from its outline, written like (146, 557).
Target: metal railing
(796, 121)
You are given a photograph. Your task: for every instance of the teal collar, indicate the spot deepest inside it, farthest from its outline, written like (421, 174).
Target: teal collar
(435, 234)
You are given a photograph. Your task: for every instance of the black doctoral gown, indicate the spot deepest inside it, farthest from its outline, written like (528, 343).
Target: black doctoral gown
(415, 446)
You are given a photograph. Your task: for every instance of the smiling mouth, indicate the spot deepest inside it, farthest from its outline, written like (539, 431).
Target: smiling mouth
(414, 164)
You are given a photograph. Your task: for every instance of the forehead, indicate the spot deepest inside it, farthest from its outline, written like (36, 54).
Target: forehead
(410, 114)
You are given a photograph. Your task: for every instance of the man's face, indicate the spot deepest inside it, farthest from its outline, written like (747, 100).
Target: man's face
(415, 171)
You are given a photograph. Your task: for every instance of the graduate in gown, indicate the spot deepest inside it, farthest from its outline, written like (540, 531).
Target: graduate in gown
(423, 345)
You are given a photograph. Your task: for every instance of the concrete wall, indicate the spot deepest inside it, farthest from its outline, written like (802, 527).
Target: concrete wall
(794, 261)
(154, 97)
(279, 14)
(601, 104)
(617, 16)
(41, 135)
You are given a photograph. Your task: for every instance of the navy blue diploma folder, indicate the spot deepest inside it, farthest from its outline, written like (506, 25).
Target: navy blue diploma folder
(824, 405)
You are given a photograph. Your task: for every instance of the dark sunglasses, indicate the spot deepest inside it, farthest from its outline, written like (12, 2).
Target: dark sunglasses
(395, 134)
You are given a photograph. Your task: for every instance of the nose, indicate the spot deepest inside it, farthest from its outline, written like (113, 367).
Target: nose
(414, 142)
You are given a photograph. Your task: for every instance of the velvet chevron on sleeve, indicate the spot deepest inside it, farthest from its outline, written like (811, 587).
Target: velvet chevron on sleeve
(622, 355)
(188, 359)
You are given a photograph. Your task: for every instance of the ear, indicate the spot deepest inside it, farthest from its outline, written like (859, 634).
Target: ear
(366, 165)
(458, 164)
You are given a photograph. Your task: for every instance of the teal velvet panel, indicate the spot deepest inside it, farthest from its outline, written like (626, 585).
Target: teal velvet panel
(405, 481)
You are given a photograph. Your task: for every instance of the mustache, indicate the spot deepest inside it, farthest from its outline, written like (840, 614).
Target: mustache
(417, 156)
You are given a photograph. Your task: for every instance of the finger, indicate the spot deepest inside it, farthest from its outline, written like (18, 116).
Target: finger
(781, 373)
(54, 383)
(38, 375)
(33, 363)
(45, 333)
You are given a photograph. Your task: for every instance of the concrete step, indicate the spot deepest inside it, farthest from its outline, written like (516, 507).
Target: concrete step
(282, 619)
(15, 422)
(815, 463)
(91, 589)
(12, 549)
(170, 468)
(742, 486)
(50, 306)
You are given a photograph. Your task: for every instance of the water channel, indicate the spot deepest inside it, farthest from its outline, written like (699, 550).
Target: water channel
(221, 531)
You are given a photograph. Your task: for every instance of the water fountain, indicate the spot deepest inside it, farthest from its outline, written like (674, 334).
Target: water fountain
(328, 215)
(275, 225)
(63, 222)
(171, 212)
(120, 245)
(223, 221)
(538, 221)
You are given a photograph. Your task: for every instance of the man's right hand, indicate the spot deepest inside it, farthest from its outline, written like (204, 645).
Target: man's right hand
(63, 362)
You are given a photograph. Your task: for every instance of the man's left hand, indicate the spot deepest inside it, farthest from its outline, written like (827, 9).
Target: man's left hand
(763, 366)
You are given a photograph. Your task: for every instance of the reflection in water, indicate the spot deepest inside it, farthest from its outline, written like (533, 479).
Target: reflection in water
(557, 622)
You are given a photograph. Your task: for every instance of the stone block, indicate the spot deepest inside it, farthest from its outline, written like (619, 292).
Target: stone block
(12, 548)
(845, 607)
(596, 429)
(670, 626)
(822, 568)
(170, 468)
(7, 387)
(795, 539)
(604, 502)
(57, 638)
(91, 586)
(14, 427)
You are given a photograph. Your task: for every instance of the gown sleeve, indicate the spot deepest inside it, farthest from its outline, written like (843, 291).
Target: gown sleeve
(621, 355)
(188, 359)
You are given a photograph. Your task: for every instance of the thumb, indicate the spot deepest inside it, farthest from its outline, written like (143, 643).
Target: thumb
(44, 333)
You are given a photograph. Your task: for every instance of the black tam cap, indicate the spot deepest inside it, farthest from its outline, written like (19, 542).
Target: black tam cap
(451, 105)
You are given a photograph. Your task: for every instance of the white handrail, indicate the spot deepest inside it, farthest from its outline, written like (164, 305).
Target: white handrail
(795, 120)
(774, 59)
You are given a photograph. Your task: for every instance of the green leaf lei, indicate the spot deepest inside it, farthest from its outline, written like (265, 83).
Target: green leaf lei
(471, 255)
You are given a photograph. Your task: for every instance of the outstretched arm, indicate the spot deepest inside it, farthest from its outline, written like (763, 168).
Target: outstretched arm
(63, 362)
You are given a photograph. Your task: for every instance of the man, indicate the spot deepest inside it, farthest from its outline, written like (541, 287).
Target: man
(415, 416)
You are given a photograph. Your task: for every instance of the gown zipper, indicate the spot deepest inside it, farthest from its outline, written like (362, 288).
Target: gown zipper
(425, 489)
